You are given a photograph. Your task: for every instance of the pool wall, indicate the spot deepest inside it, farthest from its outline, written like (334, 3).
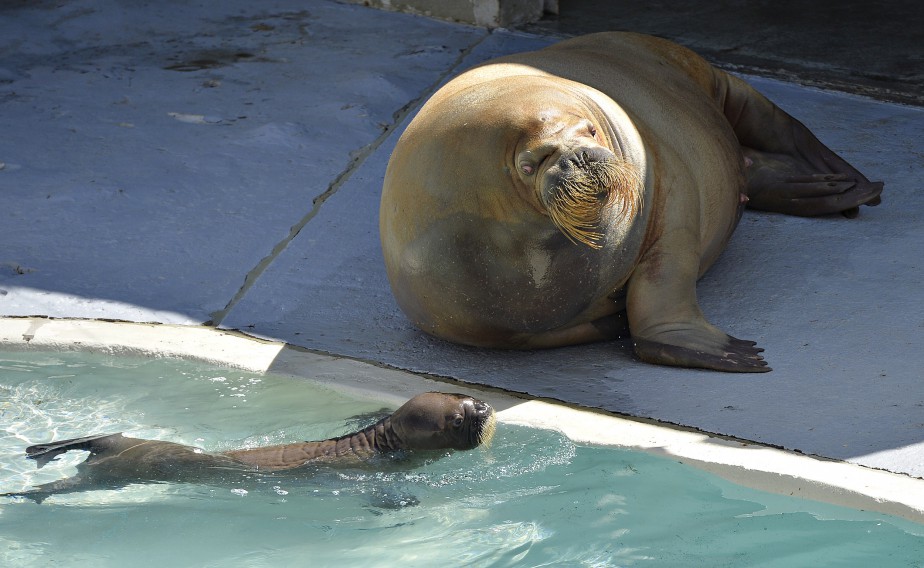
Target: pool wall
(741, 461)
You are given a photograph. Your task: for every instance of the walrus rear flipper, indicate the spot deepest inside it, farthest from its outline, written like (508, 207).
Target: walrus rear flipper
(44, 453)
(789, 170)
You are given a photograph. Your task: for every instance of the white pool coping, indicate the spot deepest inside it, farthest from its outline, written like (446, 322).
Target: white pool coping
(746, 463)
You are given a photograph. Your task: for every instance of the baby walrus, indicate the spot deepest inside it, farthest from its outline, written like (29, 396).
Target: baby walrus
(429, 421)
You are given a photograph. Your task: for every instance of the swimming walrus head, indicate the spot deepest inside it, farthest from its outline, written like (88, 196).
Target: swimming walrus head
(433, 421)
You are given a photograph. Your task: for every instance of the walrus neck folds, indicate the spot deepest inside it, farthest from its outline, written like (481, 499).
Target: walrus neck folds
(363, 444)
(591, 193)
(375, 439)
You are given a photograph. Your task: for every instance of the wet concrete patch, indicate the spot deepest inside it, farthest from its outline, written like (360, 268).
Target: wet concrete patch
(212, 60)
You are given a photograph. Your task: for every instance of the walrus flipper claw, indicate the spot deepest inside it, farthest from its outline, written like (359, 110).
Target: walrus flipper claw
(738, 356)
(848, 202)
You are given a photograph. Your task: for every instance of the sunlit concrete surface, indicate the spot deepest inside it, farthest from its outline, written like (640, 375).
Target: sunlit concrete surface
(222, 164)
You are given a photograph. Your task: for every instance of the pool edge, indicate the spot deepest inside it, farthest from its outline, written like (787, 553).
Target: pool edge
(746, 463)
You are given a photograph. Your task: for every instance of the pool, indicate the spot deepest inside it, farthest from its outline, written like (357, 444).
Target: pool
(533, 498)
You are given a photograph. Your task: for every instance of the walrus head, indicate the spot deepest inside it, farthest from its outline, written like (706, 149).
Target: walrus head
(561, 154)
(567, 160)
(434, 421)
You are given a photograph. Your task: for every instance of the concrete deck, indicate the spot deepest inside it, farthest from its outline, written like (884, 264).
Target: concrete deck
(187, 165)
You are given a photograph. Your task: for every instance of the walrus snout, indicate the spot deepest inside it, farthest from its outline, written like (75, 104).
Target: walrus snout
(481, 408)
(584, 158)
(484, 424)
(578, 173)
(580, 161)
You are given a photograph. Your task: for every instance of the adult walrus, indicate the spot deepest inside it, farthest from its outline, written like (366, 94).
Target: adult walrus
(429, 421)
(538, 196)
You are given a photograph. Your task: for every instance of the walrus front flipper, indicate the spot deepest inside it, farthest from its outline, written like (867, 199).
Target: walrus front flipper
(740, 356)
(41, 492)
(665, 321)
(788, 169)
(44, 453)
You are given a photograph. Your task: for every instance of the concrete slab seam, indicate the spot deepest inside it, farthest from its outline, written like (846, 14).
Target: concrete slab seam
(357, 158)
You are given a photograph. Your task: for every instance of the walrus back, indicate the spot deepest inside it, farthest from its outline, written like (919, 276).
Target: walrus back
(595, 59)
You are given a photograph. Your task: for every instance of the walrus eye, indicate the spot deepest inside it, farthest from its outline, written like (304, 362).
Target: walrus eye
(593, 131)
(527, 169)
(458, 421)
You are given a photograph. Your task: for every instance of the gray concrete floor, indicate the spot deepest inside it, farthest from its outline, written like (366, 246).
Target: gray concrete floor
(222, 165)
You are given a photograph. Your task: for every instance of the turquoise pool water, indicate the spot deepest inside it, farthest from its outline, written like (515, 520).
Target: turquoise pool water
(532, 499)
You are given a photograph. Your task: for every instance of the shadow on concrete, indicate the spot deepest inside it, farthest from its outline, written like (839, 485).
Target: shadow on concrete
(857, 46)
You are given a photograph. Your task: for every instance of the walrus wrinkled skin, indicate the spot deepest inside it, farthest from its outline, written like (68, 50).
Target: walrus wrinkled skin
(427, 422)
(554, 197)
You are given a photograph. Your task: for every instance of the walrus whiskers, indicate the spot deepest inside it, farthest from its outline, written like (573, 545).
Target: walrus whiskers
(584, 193)
(489, 428)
